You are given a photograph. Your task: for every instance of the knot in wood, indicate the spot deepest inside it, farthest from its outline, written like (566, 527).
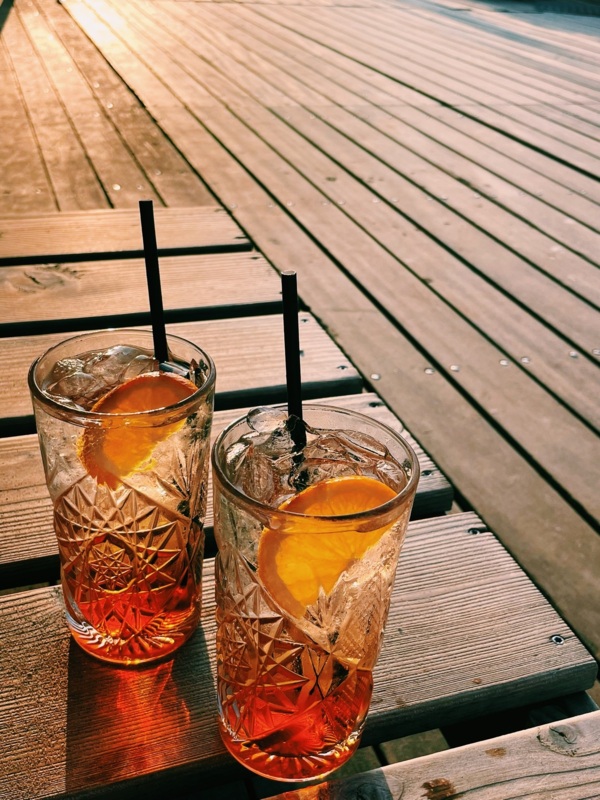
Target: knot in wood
(562, 739)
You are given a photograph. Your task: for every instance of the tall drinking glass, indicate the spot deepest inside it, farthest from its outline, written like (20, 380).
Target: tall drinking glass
(125, 444)
(309, 538)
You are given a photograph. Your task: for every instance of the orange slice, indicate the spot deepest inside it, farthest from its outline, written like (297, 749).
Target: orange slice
(295, 567)
(111, 453)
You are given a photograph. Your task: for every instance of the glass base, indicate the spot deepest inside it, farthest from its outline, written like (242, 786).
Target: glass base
(131, 652)
(277, 763)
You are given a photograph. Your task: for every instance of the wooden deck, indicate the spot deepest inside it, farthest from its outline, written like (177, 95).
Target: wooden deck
(429, 169)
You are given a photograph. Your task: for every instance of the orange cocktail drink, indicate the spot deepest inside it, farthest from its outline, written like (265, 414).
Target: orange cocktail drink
(125, 443)
(308, 541)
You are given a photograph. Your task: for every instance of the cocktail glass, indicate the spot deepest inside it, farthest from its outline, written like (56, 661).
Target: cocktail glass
(125, 444)
(308, 543)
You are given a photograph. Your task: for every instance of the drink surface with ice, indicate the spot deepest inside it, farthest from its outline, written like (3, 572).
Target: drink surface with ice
(308, 547)
(125, 448)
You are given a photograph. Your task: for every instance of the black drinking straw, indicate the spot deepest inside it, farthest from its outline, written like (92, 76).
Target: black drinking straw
(161, 352)
(289, 291)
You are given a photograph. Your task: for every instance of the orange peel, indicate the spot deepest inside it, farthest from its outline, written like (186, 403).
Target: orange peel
(111, 453)
(294, 567)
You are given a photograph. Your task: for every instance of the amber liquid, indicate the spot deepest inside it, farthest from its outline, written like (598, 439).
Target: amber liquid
(132, 592)
(289, 710)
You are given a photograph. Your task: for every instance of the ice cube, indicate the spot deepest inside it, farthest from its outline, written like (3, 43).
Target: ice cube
(79, 381)
(266, 465)
(118, 363)
(78, 390)
(392, 474)
(266, 420)
(260, 480)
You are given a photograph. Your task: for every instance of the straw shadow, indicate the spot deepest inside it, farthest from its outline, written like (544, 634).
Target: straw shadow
(585, 8)
(553, 15)
(5, 8)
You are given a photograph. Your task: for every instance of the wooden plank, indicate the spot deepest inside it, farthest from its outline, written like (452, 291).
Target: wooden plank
(447, 342)
(430, 48)
(468, 242)
(237, 347)
(531, 231)
(75, 183)
(300, 55)
(464, 619)
(176, 183)
(25, 184)
(28, 551)
(483, 464)
(441, 219)
(560, 708)
(419, 136)
(561, 173)
(468, 85)
(560, 759)
(462, 277)
(469, 53)
(549, 35)
(514, 168)
(483, 252)
(419, 33)
(115, 233)
(102, 148)
(495, 36)
(442, 85)
(41, 298)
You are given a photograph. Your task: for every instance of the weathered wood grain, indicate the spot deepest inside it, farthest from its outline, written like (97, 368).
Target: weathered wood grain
(559, 760)
(117, 170)
(534, 518)
(543, 531)
(348, 84)
(67, 168)
(467, 633)
(106, 101)
(28, 551)
(528, 142)
(434, 202)
(365, 242)
(25, 181)
(248, 355)
(115, 233)
(60, 297)
(445, 82)
(522, 226)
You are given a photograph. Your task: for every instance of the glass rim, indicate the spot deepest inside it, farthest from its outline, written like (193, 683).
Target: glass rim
(88, 414)
(270, 511)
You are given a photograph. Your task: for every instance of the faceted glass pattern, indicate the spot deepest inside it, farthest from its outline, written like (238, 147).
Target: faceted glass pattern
(130, 549)
(294, 689)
